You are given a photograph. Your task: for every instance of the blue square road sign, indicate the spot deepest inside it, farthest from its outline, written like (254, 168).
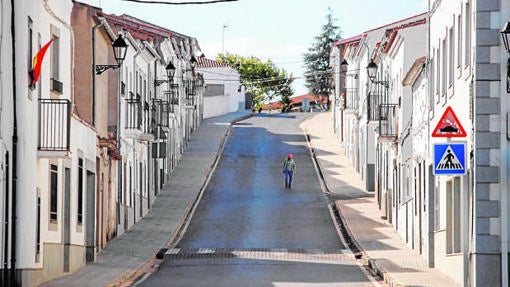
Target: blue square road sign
(450, 159)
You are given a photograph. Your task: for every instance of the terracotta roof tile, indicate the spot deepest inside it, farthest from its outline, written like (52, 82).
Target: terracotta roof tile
(139, 29)
(203, 62)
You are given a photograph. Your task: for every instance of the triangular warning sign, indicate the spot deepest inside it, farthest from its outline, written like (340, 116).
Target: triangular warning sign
(449, 161)
(449, 126)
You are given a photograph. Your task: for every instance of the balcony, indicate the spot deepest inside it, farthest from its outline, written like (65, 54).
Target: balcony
(172, 96)
(190, 91)
(161, 114)
(54, 127)
(148, 122)
(133, 112)
(351, 99)
(388, 122)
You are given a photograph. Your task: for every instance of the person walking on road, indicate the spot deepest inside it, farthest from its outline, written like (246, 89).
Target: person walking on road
(289, 167)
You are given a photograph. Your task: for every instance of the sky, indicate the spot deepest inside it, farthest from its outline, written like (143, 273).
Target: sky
(279, 30)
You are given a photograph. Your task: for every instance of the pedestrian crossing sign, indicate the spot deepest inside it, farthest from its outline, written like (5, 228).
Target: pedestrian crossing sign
(450, 159)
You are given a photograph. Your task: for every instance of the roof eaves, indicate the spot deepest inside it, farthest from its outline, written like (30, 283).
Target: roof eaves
(348, 40)
(414, 71)
(397, 22)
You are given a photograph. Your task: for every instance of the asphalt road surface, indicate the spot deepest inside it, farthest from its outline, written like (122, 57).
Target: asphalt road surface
(249, 230)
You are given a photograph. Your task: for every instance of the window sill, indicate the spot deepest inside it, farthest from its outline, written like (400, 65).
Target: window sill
(454, 254)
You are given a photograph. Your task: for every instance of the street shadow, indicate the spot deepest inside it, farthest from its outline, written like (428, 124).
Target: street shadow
(391, 267)
(242, 124)
(364, 230)
(356, 194)
(322, 152)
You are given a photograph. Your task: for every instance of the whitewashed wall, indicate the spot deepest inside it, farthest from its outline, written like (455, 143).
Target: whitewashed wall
(232, 100)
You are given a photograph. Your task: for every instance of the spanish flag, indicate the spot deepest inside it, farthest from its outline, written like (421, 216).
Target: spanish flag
(36, 70)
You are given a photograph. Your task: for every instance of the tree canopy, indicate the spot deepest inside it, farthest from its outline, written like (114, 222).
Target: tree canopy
(317, 70)
(264, 80)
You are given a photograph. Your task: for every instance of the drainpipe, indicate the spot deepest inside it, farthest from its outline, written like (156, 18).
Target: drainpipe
(14, 153)
(149, 146)
(7, 166)
(6, 223)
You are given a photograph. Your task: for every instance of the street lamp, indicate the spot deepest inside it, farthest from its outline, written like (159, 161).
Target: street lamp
(505, 32)
(170, 72)
(119, 52)
(372, 73)
(344, 65)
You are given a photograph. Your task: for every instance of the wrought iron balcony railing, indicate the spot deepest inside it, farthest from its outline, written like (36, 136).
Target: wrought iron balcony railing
(134, 112)
(149, 121)
(172, 96)
(54, 125)
(351, 99)
(388, 121)
(189, 86)
(161, 113)
(190, 91)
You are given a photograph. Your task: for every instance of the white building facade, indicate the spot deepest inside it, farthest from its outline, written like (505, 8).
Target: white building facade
(53, 171)
(457, 222)
(223, 93)
(52, 177)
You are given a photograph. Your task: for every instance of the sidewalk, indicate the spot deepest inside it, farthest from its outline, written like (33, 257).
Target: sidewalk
(132, 254)
(381, 247)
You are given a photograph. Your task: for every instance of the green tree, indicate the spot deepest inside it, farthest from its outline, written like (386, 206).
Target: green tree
(317, 70)
(264, 80)
(286, 92)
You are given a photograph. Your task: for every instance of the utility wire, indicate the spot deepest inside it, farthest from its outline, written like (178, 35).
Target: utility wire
(179, 3)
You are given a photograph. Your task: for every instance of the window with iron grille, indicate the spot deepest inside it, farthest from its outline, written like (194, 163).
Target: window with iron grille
(388, 120)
